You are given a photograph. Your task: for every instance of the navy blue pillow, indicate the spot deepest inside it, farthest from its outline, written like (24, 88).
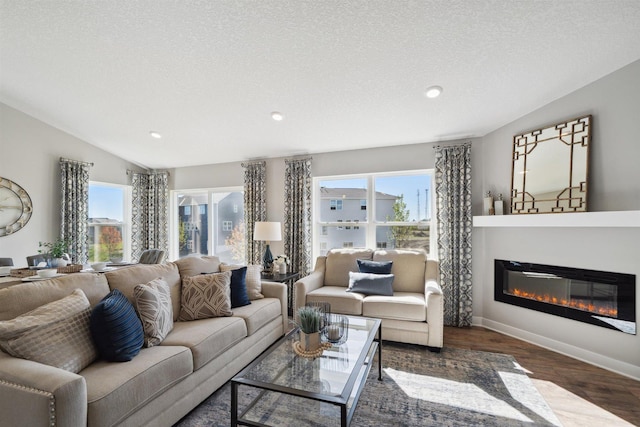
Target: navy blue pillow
(239, 295)
(374, 267)
(116, 328)
(371, 284)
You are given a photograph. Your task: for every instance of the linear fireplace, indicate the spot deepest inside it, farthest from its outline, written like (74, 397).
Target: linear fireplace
(598, 297)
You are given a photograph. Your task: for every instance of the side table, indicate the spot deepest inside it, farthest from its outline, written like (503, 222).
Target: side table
(289, 279)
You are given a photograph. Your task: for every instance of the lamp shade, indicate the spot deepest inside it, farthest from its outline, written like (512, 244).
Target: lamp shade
(267, 231)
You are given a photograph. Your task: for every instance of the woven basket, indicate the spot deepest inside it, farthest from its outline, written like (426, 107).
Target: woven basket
(73, 268)
(22, 272)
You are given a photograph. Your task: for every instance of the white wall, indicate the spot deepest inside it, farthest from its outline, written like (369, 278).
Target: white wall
(614, 185)
(29, 154)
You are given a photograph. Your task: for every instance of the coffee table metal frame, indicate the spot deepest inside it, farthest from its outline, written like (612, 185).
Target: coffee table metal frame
(365, 361)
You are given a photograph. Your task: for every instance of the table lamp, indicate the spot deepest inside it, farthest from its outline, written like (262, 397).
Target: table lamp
(267, 232)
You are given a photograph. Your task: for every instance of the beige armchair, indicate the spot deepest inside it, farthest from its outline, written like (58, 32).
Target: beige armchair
(413, 314)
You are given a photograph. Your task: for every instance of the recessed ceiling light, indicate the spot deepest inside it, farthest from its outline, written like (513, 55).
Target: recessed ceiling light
(155, 134)
(433, 91)
(278, 117)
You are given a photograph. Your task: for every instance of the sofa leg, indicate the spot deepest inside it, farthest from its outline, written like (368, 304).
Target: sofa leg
(434, 349)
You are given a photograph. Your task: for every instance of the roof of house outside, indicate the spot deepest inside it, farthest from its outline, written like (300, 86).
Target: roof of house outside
(351, 193)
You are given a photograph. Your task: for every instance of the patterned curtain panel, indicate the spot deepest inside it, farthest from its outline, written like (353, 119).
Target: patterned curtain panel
(74, 210)
(150, 209)
(297, 214)
(255, 207)
(453, 201)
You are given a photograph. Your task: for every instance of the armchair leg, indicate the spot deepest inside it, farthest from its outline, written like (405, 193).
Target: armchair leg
(434, 349)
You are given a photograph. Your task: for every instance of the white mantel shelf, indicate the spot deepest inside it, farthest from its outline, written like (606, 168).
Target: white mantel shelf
(578, 219)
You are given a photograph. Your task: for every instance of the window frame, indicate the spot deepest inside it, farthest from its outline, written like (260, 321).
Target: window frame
(127, 215)
(370, 224)
(174, 247)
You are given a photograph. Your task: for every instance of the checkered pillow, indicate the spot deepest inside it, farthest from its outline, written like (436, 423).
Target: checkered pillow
(55, 334)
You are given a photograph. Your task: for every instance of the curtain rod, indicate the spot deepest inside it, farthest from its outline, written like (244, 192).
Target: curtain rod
(298, 159)
(153, 172)
(62, 159)
(469, 143)
(257, 162)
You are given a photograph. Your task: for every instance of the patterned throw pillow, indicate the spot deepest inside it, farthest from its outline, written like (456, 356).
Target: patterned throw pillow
(205, 296)
(153, 304)
(252, 279)
(116, 329)
(55, 334)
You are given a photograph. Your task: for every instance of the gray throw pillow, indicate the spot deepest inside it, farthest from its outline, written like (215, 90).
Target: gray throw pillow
(371, 284)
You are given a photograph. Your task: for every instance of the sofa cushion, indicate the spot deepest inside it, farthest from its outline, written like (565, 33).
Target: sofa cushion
(253, 279)
(153, 304)
(207, 338)
(116, 390)
(19, 299)
(408, 267)
(371, 284)
(400, 306)
(259, 313)
(205, 296)
(341, 301)
(125, 279)
(340, 262)
(374, 267)
(116, 328)
(56, 334)
(196, 265)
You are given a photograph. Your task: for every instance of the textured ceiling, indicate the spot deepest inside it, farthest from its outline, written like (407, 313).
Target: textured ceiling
(346, 74)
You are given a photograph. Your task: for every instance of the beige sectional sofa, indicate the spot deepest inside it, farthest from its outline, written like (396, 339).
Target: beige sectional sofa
(158, 386)
(413, 314)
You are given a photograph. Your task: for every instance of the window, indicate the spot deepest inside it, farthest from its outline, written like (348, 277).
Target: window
(387, 210)
(109, 230)
(203, 223)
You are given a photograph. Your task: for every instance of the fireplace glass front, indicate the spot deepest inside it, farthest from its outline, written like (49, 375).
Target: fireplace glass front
(598, 297)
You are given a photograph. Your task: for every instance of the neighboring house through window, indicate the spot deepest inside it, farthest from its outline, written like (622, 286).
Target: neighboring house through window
(387, 210)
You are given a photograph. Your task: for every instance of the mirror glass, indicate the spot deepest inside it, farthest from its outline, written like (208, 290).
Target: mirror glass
(550, 168)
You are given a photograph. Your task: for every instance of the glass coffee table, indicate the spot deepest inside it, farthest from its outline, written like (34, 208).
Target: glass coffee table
(282, 388)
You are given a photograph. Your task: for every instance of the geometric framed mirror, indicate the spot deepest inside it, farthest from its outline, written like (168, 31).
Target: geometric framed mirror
(550, 168)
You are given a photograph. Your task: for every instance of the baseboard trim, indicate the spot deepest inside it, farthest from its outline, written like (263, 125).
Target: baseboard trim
(604, 362)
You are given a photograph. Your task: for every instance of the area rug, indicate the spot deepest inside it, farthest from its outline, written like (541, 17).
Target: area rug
(452, 388)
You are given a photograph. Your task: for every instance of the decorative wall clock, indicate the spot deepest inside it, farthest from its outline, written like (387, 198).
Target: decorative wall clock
(15, 207)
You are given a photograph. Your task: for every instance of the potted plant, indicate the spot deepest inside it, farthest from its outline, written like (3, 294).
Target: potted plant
(56, 251)
(309, 322)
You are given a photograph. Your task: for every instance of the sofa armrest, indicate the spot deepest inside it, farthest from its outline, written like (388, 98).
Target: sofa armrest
(435, 313)
(278, 290)
(32, 393)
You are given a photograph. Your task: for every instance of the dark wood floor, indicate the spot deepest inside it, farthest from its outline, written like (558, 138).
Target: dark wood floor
(580, 394)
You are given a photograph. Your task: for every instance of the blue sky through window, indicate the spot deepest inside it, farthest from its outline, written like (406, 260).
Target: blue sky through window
(106, 202)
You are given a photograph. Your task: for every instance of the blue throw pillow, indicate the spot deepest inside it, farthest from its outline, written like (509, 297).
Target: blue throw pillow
(374, 267)
(239, 295)
(116, 328)
(371, 284)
